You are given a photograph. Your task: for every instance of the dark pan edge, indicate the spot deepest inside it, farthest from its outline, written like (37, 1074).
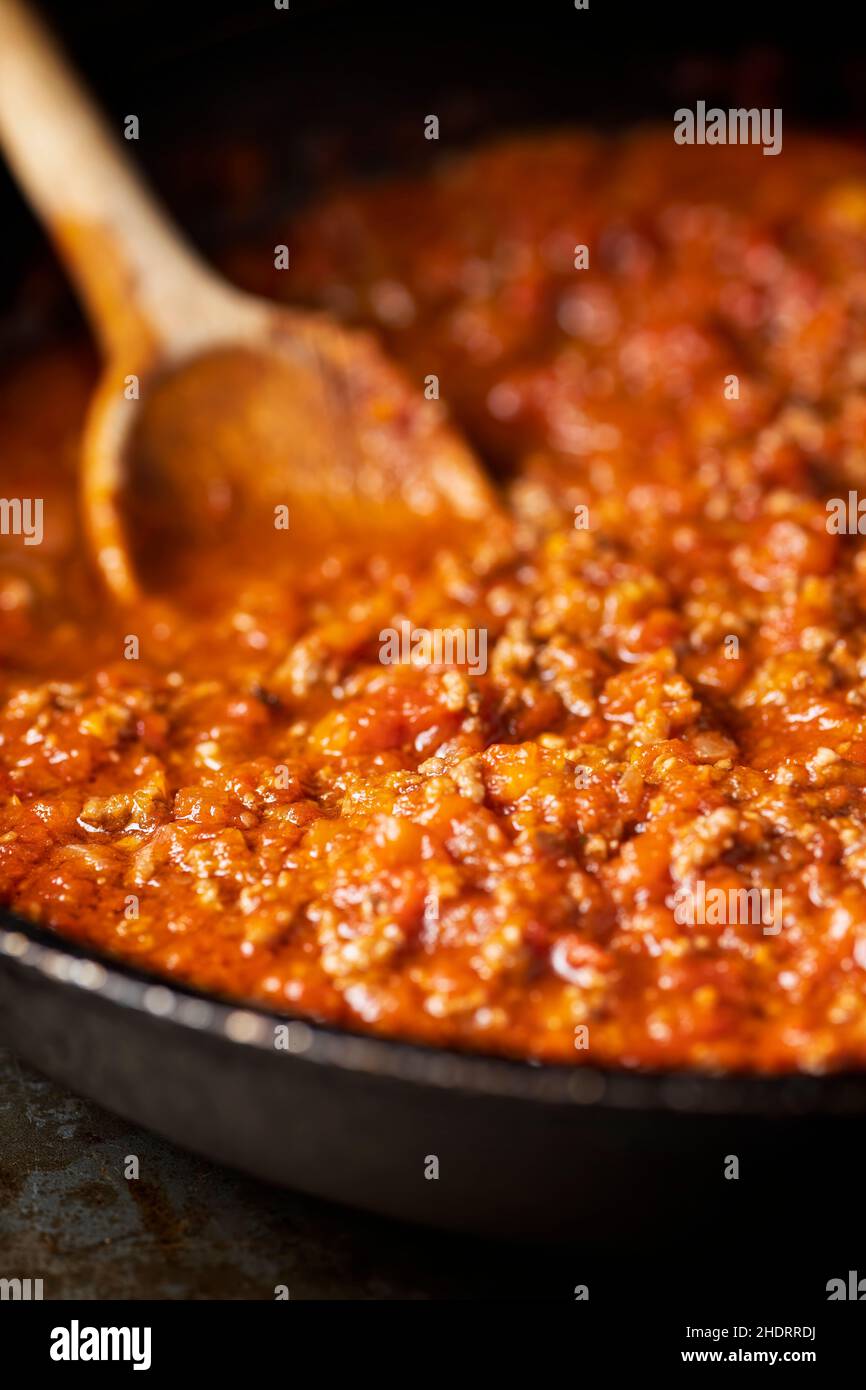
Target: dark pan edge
(32, 948)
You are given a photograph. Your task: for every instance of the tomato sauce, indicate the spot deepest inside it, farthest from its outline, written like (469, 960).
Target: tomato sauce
(230, 787)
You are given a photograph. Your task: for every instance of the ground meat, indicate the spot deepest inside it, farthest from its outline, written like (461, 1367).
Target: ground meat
(672, 694)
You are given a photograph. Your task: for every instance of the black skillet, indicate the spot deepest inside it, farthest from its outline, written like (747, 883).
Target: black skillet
(521, 1149)
(538, 1151)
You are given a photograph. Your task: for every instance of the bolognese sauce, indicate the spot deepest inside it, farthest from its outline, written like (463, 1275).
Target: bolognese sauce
(659, 701)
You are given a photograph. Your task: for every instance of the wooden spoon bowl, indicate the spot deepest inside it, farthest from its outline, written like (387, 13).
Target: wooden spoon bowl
(219, 416)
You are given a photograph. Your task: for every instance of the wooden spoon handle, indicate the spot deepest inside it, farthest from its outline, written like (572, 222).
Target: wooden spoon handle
(142, 285)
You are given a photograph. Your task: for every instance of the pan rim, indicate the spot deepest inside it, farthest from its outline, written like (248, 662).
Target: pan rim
(69, 965)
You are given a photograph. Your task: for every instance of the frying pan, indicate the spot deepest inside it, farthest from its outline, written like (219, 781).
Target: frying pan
(522, 1149)
(538, 1151)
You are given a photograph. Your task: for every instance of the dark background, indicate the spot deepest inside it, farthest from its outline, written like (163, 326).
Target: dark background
(330, 87)
(323, 90)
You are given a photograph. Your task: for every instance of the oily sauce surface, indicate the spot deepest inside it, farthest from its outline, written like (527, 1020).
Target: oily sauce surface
(674, 692)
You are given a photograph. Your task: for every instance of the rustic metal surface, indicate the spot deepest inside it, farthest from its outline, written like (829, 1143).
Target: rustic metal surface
(186, 1229)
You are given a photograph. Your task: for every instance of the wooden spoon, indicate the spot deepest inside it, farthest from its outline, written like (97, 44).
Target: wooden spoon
(218, 415)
